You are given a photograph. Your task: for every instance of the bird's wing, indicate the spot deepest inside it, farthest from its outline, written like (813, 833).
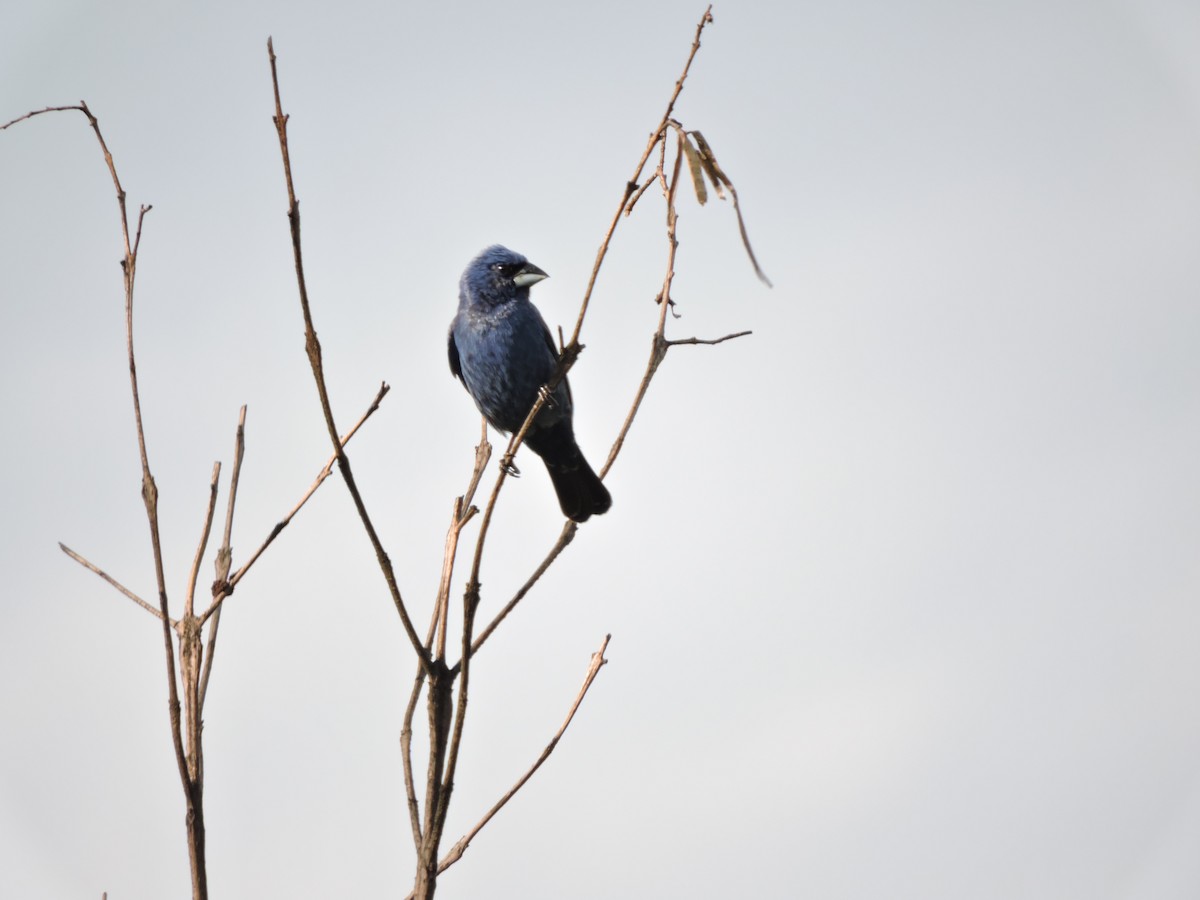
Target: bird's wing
(455, 365)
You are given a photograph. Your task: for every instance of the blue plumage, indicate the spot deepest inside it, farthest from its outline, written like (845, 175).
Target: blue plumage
(502, 350)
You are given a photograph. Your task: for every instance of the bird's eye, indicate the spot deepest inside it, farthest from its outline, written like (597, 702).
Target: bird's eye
(508, 270)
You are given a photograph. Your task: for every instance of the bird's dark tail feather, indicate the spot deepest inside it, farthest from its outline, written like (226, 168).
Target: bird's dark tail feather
(580, 493)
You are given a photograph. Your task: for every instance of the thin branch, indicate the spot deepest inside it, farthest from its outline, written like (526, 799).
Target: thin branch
(314, 356)
(189, 600)
(81, 107)
(658, 352)
(120, 587)
(464, 511)
(149, 489)
(631, 185)
(325, 472)
(410, 785)
(458, 849)
(692, 340)
(190, 647)
(564, 537)
(225, 553)
(658, 344)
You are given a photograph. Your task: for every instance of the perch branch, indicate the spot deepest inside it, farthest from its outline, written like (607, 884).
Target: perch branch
(572, 349)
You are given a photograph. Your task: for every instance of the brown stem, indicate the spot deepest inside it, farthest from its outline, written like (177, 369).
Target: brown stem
(120, 587)
(220, 596)
(459, 848)
(313, 347)
(564, 537)
(224, 560)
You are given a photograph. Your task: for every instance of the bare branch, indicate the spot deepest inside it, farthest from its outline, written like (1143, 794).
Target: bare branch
(720, 340)
(120, 587)
(658, 352)
(564, 537)
(191, 790)
(458, 849)
(314, 357)
(189, 600)
(631, 185)
(325, 472)
(221, 586)
(81, 107)
(410, 785)
(464, 511)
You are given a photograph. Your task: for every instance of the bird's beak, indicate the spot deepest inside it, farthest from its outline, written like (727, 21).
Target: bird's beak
(529, 274)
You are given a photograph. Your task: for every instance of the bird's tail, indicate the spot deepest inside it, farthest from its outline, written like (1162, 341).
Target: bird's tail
(580, 493)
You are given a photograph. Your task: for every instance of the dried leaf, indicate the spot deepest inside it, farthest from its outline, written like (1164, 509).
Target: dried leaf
(709, 161)
(695, 166)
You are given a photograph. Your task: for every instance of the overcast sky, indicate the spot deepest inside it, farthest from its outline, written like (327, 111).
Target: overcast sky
(902, 588)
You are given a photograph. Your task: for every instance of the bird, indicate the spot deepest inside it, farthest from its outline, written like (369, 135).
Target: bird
(502, 351)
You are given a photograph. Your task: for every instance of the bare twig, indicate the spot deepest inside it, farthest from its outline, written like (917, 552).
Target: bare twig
(658, 352)
(464, 511)
(564, 537)
(191, 647)
(410, 785)
(692, 340)
(189, 600)
(313, 347)
(220, 586)
(37, 112)
(459, 848)
(120, 587)
(631, 185)
(325, 472)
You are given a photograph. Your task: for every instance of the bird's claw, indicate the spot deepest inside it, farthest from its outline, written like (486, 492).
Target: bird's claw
(510, 468)
(545, 396)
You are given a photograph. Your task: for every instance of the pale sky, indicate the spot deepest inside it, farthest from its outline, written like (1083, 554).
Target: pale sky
(902, 588)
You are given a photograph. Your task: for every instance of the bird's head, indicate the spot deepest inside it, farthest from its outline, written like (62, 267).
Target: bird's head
(499, 275)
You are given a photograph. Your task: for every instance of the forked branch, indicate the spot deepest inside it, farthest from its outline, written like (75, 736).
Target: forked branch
(457, 851)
